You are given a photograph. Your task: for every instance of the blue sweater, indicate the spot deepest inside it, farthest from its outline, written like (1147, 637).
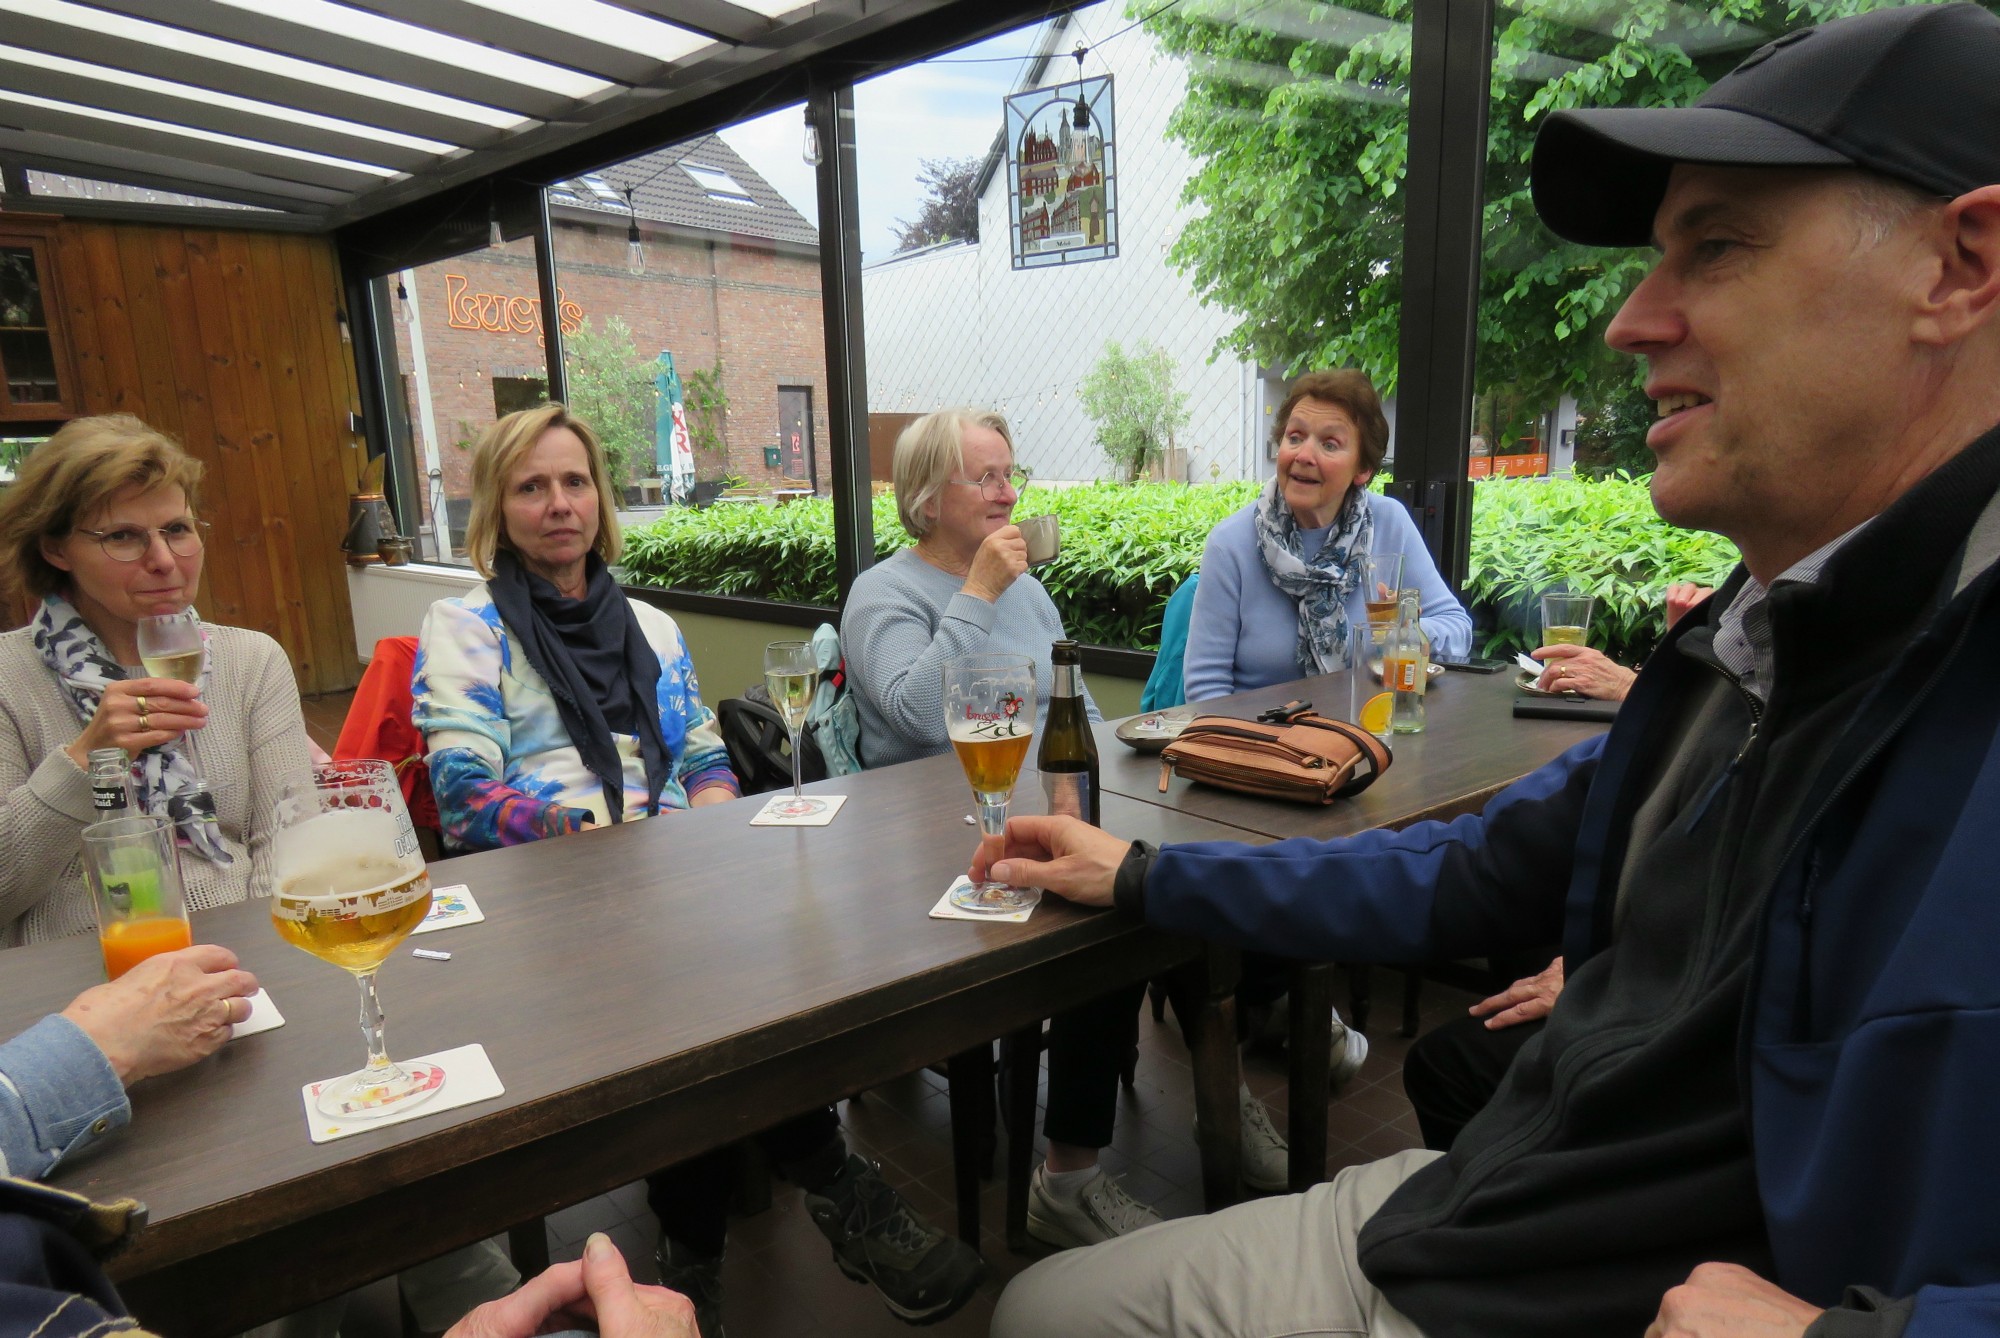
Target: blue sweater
(1245, 631)
(1869, 1058)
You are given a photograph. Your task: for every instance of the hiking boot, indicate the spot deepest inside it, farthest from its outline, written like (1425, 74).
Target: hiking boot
(697, 1277)
(921, 1274)
(1267, 1159)
(1101, 1209)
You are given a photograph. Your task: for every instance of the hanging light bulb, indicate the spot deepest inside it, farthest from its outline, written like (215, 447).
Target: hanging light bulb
(405, 312)
(811, 151)
(1080, 115)
(340, 319)
(493, 237)
(635, 250)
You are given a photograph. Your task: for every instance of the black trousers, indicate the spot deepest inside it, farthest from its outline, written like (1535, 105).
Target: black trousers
(1451, 1073)
(692, 1199)
(1087, 1050)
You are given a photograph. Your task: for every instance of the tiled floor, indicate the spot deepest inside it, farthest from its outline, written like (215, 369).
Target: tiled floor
(779, 1279)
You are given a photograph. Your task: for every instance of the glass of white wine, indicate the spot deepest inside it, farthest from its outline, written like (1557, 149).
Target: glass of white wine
(351, 885)
(791, 674)
(171, 646)
(1566, 618)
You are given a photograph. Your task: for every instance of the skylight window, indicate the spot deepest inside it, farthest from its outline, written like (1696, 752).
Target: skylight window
(718, 184)
(209, 136)
(608, 24)
(603, 189)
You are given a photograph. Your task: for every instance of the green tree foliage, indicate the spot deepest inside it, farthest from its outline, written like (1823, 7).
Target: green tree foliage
(950, 211)
(611, 388)
(1297, 116)
(707, 405)
(1133, 401)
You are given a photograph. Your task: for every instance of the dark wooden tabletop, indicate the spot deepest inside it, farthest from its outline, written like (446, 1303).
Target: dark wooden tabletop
(1471, 747)
(645, 992)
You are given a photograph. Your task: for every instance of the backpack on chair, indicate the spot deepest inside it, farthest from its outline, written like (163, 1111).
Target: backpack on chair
(754, 732)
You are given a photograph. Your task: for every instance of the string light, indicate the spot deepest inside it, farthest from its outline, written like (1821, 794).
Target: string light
(405, 312)
(811, 150)
(493, 237)
(340, 319)
(1080, 118)
(635, 250)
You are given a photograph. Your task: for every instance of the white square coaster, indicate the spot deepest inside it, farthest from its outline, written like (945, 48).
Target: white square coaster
(450, 906)
(944, 910)
(264, 1016)
(768, 816)
(468, 1077)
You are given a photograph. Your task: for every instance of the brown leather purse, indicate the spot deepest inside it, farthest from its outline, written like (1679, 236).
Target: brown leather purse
(1298, 755)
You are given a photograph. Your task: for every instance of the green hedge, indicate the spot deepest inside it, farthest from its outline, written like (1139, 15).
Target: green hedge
(1127, 547)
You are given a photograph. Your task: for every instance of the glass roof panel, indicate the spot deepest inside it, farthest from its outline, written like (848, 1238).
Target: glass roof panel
(210, 136)
(773, 9)
(608, 24)
(235, 53)
(63, 65)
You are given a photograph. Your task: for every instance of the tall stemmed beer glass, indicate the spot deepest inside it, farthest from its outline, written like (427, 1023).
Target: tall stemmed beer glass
(791, 674)
(989, 715)
(171, 646)
(351, 885)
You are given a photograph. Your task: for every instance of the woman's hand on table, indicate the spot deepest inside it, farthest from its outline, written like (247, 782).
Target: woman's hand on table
(166, 1012)
(596, 1291)
(1002, 557)
(1525, 1000)
(1058, 854)
(1581, 669)
(140, 713)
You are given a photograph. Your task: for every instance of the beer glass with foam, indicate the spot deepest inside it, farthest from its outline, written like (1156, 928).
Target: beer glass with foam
(351, 885)
(989, 715)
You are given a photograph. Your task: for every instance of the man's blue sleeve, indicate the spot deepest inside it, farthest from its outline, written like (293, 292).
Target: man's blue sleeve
(1483, 883)
(58, 1093)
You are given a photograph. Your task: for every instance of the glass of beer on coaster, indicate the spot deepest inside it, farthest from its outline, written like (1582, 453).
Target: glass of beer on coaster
(351, 885)
(1566, 618)
(133, 866)
(989, 715)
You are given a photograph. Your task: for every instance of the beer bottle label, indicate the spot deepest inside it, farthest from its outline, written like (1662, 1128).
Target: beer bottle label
(1068, 792)
(107, 800)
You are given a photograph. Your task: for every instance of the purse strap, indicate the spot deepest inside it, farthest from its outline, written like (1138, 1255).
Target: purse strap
(1378, 754)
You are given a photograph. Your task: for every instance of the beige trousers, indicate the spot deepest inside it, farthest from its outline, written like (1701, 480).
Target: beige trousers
(1271, 1268)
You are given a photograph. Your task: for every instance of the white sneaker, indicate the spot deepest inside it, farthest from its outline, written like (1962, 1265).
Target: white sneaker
(1347, 1051)
(1267, 1159)
(1102, 1209)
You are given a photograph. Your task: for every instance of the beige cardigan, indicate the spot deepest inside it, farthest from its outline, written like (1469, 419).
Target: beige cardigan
(253, 745)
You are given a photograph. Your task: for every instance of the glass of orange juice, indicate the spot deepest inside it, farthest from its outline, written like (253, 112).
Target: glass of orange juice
(133, 867)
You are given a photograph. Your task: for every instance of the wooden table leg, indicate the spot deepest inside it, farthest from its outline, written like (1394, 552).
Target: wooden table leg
(528, 1246)
(1022, 1053)
(1205, 990)
(1311, 1035)
(1358, 986)
(971, 1125)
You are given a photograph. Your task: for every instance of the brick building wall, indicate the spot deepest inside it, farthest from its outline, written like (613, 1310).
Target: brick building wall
(753, 304)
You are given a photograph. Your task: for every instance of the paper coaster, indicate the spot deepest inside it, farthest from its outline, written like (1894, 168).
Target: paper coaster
(944, 910)
(450, 906)
(264, 1016)
(768, 816)
(468, 1077)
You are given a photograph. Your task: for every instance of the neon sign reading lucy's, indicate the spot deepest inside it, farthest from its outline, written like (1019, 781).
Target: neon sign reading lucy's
(498, 313)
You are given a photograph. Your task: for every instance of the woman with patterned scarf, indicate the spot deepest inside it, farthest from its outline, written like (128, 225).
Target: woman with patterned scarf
(1280, 580)
(98, 531)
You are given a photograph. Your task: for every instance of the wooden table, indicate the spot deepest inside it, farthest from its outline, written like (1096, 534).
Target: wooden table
(1472, 747)
(646, 992)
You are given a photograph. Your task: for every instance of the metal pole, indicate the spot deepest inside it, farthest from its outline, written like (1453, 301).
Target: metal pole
(846, 363)
(545, 280)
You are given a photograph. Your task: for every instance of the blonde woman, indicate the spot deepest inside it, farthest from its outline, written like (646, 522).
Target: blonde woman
(550, 701)
(99, 530)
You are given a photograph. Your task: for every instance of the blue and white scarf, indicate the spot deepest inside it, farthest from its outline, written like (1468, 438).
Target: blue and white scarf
(1321, 586)
(162, 777)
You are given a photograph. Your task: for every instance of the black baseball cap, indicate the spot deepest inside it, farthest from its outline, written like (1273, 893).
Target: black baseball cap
(1912, 93)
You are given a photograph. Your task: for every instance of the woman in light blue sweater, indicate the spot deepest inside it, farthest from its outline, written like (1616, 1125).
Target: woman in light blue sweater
(1280, 580)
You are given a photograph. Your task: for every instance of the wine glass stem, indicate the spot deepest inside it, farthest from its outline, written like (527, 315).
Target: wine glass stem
(374, 1028)
(992, 813)
(798, 786)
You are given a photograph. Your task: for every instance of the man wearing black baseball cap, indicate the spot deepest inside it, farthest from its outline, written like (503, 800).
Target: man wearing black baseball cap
(1764, 1103)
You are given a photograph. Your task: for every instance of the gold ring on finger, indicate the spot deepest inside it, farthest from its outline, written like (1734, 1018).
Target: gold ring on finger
(145, 721)
(142, 703)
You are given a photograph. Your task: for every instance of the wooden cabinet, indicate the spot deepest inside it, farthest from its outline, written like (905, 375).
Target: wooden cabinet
(37, 372)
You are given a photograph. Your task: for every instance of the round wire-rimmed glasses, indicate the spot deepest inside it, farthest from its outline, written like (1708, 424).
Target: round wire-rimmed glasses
(128, 543)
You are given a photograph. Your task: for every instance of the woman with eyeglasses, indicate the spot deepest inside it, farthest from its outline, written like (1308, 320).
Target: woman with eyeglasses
(964, 589)
(1281, 590)
(98, 531)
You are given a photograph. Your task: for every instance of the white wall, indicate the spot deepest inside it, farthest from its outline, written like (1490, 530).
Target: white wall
(958, 325)
(392, 601)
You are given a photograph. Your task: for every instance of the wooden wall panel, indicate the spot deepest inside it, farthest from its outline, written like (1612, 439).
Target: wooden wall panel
(227, 340)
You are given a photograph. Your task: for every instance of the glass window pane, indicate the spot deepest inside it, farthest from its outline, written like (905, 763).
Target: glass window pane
(1557, 416)
(1132, 281)
(468, 333)
(718, 310)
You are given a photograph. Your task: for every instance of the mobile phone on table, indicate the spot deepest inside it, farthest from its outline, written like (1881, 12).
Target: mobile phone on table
(1478, 664)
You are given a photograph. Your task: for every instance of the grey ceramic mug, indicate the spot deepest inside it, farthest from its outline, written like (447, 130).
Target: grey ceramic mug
(1044, 536)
